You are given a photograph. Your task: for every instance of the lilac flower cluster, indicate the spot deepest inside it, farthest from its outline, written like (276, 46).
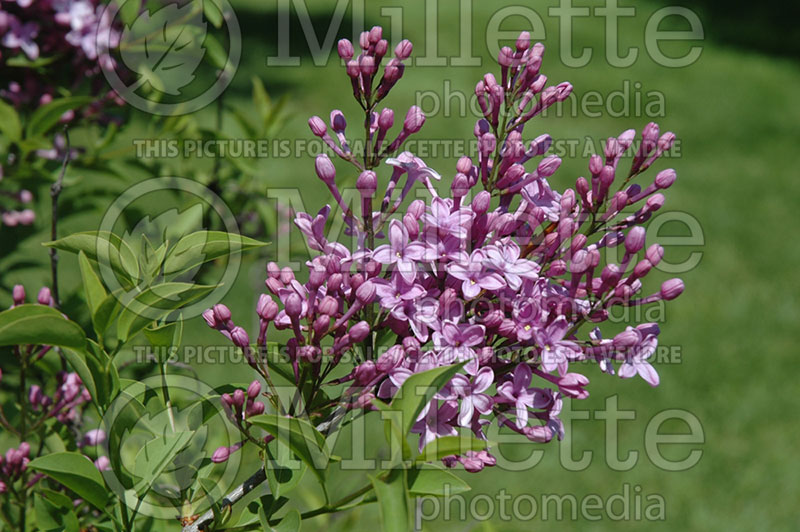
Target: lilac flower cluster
(64, 30)
(500, 280)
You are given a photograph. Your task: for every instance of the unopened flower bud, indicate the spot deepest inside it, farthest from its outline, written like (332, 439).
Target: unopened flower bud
(222, 313)
(325, 169)
(254, 389)
(403, 49)
(220, 455)
(416, 209)
(239, 337)
(665, 178)
(414, 120)
(18, 294)
(317, 125)
(328, 306)
(366, 183)
(366, 292)
(654, 254)
(238, 398)
(359, 331)
(293, 305)
(386, 119)
(481, 201)
(267, 308)
(208, 315)
(634, 241)
(671, 289)
(345, 49)
(44, 297)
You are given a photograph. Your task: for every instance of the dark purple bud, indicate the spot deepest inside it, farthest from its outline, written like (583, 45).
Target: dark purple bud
(316, 278)
(335, 282)
(381, 47)
(654, 202)
(365, 372)
(338, 121)
(255, 409)
(227, 400)
(505, 57)
(390, 359)
(35, 395)
(595, 164)
(238, 398)
(322, 324)
(671, 289)
(460, 186)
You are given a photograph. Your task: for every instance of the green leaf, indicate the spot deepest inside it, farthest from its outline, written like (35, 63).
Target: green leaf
(212, 12)
(156, 455)
(103, 247)
(156, 302)
(52, 516)
(217, 55)
(107, 312)
(48, 115)
(164, 337)
(9, 122)
(120, 420)
(129, 10)
(39, 325)
(77, 473)
(289, 523)
(204, 246)
(431, 480)
(393, 500)
(282, 474)
(92, 286)
(450, 445)
(301, 437)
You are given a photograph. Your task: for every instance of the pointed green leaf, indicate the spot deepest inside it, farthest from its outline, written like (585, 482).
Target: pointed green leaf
(450, 445)
(156, 455)
(103, 247)
(204, 246)
(92, 286)
(77, 473)
(431, 480)
(289, 523)
(39, 325)
(393, 500)
(48, 115)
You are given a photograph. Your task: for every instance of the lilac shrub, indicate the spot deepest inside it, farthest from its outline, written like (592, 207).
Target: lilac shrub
(500, 275)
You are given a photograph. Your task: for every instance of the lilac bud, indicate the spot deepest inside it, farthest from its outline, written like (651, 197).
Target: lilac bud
(390, 359)
(386, 119)
(208, 315)
(359, 331)
(316, 278)
(595, 164)
(493, 319)
(345, 49)
(338, 121)
(238, 398)
(635, 239)
(365, 293)
(227, 400)
(267, 308)
(317, 125)
(666, 140)
(540, 145)
(255, 409)
(654, 202)
(254, 389)
(505, 57)
(563, 89)
(335, 282)
(94, 437)
(460, 186)
(222, 313)
(220, 455)
(353, 69)
(523, 41)
(367, 66)
(627, 339)
(558, 268)
(414, 120)
(464, 165)
(356, 280)
(363, 40)
(411, 346)
(366, 183)
(287, 275)
(328, 306)
(44, 297)
(665, 178)
(487, 144)
(273, 270)
(365, 372)
(481, 201)
(416, 209)
(548, 166)
(403, 49)
(642, 268)
(293, 305)
(373, 268)
(18, 294)
(654, 254)
(102, 463)
(239, 337)
(375, 34)
(274, 285)
(650, 133)
(322, 324)
(35, 395)
(671, 289)
(325, 169)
